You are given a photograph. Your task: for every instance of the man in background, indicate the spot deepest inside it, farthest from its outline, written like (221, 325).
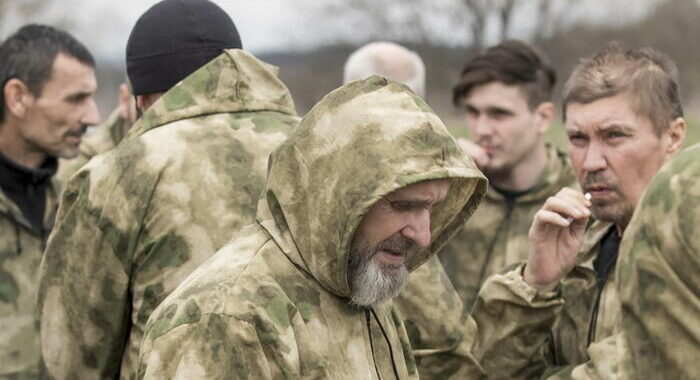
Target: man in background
(505, 92)
(389, 60)
(47, 103)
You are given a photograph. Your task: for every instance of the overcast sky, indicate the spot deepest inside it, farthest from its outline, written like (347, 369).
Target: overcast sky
(274, 25)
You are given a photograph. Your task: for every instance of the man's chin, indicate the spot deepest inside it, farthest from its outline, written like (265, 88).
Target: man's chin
(68, 153)
(613, 213)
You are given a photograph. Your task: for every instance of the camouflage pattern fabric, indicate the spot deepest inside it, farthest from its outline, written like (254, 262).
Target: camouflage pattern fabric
(101, 139)
(21, 247)
(439, 328)
(497, 235)
(658, 271)
(274, 303)
(588, 315)
(135, 221)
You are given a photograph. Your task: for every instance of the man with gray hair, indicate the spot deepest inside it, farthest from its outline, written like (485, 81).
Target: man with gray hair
(389, 60)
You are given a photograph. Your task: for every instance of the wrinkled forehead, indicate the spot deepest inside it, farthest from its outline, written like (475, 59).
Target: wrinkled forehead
(605, 113)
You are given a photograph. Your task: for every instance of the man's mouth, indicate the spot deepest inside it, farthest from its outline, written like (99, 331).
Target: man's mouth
(73, 139)
(490, 149)
(599, 191)
(391, 257)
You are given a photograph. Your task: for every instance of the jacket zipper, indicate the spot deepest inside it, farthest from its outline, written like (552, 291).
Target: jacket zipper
(386, 337)
(388, 342)
(371, 345)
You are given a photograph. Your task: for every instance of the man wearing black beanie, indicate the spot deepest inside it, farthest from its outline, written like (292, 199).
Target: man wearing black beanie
(136, 220)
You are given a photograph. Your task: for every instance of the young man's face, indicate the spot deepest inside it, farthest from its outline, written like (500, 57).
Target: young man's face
(396, 223)
(501, 122)
(56, 119)
(615, 153)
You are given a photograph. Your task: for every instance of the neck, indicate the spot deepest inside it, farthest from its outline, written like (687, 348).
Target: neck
(525, 174)
(621, 227)
(14, 147)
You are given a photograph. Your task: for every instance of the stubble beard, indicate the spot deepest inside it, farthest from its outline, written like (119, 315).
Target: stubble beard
(615, 211)
(372, 282)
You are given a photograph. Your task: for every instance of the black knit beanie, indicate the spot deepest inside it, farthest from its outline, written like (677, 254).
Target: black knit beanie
(173, 39)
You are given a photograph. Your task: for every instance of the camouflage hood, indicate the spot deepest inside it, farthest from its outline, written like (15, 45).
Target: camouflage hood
(235, 81)
(361, 142)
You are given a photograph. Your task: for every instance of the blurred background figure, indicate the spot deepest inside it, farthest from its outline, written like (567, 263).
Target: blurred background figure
(505, 93)
(46, 105)
(103, 137)
(389, 60)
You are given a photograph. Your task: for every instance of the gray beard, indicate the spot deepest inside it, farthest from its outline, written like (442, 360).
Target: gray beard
(370, 282)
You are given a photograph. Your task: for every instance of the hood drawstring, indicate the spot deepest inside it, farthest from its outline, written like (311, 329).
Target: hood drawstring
(18, 244)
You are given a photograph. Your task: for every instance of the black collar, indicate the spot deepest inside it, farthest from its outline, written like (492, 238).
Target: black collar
(15, 176)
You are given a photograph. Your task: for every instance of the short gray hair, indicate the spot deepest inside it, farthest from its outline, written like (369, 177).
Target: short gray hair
(389, 60)
(647, 76)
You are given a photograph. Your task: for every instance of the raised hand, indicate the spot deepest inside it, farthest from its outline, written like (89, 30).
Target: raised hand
(556, 236)
(477, 153)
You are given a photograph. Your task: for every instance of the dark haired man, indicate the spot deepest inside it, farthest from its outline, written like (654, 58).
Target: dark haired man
(136, 220)
(47, 103)
(505, 92)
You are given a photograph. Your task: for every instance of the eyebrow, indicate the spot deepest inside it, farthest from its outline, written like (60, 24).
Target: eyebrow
(468, 106)
(604, 128)
(413, 202)
(78, 95)
(611, 126)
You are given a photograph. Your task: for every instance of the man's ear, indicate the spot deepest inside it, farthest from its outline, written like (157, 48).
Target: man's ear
(18, 98)
(544, 116)
(675, 136)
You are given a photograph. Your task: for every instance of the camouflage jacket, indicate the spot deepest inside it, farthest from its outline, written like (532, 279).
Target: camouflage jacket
(21, 247)
(497, 235)
(438, 325)
(274, 303)
(98, 140)
(590, 313)
(136, 220)
(658, 271)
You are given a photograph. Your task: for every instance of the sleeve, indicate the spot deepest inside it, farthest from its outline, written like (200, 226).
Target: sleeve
(214, 347)
(83, 300)
(513, 326)
(440, 332)
(659, 283)
(603, 363)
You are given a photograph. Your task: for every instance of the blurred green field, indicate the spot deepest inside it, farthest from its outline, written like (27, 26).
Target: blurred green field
(557, 136)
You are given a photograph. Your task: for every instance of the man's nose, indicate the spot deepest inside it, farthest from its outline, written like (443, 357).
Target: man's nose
(481, 126)
(91, 116)
(594, 159)
(418, 229)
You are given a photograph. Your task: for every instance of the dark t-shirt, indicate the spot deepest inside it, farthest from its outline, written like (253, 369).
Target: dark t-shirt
(27, 188)
(607, 256)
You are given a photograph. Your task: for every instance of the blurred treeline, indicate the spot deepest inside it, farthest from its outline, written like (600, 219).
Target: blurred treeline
(671, 26)
(446, 33)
